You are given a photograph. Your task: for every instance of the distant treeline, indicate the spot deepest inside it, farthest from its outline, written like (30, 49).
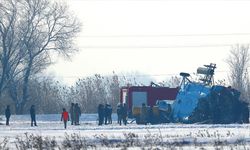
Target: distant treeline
(50, 95)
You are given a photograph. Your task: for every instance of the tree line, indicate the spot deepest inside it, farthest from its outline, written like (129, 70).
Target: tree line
(51, 96)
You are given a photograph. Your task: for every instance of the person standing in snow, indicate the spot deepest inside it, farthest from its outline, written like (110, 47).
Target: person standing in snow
(77, 112)
(124, 114)
(143, 115)
(72, 113)
(119, 113)
(100, 114)
(106, 114)
(33, 115)
(109, 114)
(65, 117)
(7, 114)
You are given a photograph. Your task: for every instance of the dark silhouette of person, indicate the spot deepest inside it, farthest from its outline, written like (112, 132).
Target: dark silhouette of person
(119, 113)
(33, 115)
(72, 113)
(143, 115)
(7, 114)
(124, 114)
(151, 118)
(77, 112)
(107, 114)
(101, 114)
(65, 117)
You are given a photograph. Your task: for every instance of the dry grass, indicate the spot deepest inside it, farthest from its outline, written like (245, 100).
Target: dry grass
(130, 140)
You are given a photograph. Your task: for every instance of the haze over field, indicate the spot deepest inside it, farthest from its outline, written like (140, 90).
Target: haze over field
(158, 38)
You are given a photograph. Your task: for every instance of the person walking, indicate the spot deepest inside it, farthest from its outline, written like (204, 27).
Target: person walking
(65, 117)
(77, 112)
(72, 113)
(33, 115)
(7, 114)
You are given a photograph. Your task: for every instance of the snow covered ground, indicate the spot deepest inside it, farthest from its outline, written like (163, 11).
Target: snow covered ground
(20, 135)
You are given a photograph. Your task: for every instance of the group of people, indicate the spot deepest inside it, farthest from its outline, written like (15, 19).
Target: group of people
(75, 113)
(104, 114)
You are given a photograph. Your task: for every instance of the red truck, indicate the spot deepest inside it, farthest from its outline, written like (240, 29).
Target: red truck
(135, 96)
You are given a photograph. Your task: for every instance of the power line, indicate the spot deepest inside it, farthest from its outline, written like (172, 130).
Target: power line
(163, 35)
(127, 76)
(154, 47)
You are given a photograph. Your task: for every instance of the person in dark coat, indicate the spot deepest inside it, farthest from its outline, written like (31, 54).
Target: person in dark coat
(72, 113)
(124, 114)
(119, 113)
(33, 115)
(77, 112)
(7, 114)
(100, 114)
(143, 115)
(107, 114)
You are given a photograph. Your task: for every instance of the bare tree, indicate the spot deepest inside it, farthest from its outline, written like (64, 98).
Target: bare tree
(114, 86)
(239, 61)
(43, 28)
(10, 43)
(172, 82)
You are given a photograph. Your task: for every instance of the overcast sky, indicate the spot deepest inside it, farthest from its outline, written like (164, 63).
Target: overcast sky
(155, 37)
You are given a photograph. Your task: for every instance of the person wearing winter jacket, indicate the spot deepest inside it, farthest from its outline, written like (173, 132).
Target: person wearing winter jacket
(119, 113)
(33, 115)
(7, 114)
(65, 117)
(101, 112)
(108, 114)
(77, 112)
(143, 115)
(72, 113)
(124, 111)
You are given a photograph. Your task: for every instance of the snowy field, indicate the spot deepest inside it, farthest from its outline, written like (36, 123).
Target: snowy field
(50, 134)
